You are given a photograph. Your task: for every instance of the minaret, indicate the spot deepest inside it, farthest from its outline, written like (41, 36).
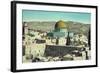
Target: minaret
(26, 28)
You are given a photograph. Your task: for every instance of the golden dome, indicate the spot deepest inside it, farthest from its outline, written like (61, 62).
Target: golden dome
(60, 24)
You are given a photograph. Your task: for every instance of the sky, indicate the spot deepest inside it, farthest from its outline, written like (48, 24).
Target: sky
(39, 15)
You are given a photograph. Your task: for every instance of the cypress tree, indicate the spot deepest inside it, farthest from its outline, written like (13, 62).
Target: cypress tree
(57, 41)
(68, 39)
(89, 38)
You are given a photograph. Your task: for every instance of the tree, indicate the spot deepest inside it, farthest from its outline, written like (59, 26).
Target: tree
(89, 38)
(68, 39)
(57, 41)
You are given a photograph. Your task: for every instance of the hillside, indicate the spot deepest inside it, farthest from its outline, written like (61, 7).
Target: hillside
(49, 26)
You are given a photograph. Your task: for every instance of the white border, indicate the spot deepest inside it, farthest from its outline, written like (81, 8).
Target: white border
(21, 65)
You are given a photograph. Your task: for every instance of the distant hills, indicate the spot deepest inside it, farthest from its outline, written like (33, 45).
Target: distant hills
(75, 27)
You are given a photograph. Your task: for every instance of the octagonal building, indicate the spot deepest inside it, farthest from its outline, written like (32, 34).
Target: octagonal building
(60, 30)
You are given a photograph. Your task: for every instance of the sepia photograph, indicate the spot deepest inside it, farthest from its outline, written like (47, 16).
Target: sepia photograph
(55, 36)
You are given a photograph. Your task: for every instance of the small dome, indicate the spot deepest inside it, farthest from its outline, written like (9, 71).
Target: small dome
(60, 24)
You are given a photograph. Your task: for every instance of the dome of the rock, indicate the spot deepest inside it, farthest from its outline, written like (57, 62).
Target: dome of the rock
(59, 31)
(60, 24)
